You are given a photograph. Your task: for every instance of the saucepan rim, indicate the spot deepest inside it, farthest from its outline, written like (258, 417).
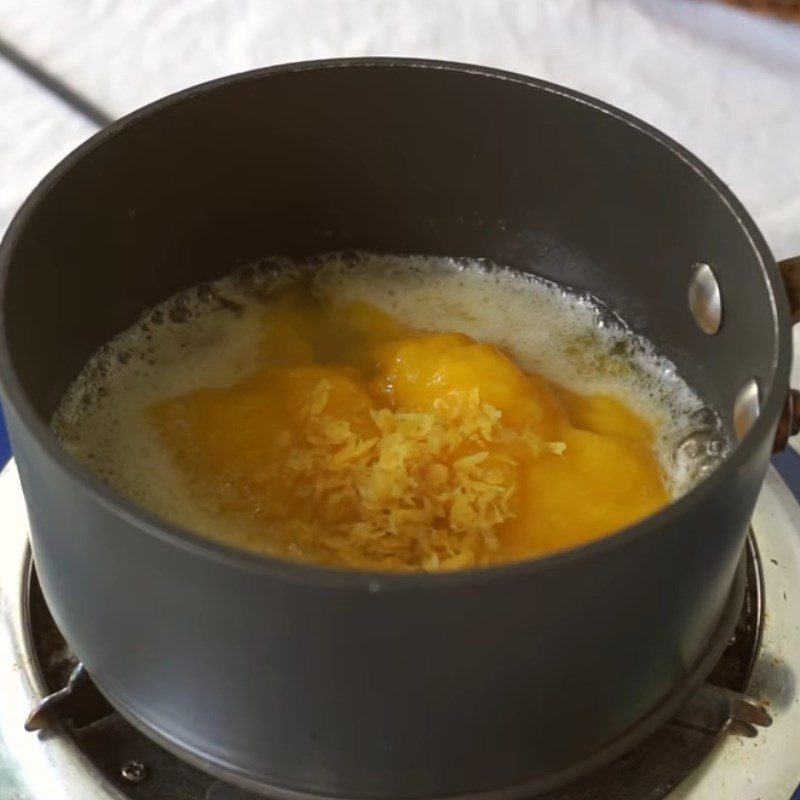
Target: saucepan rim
(772, 398)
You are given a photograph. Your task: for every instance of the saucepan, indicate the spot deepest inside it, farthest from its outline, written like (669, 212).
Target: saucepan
(300, 681)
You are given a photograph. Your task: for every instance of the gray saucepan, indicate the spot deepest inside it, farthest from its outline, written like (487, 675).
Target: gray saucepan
(301, 681)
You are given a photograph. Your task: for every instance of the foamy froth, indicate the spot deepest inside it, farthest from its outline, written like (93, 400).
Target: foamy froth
(208, 336)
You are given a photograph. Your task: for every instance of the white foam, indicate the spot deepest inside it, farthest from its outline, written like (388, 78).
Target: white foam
(207, 337)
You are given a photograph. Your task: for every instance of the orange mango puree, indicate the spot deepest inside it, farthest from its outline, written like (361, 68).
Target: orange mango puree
(357, 442)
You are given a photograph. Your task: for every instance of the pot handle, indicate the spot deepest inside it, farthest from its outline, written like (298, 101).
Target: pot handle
(789, 423)
(790, 272)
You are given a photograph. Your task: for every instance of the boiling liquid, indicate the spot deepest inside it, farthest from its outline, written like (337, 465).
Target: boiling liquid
(389, 412)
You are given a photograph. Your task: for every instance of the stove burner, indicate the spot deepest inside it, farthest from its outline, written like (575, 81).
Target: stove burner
(142, 770)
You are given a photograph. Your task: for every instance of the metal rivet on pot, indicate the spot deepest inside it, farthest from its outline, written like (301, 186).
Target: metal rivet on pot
(133, 772)
(746, 408)
(705, 300)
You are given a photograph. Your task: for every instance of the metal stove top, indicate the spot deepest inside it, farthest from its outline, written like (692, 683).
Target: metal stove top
(712, 748)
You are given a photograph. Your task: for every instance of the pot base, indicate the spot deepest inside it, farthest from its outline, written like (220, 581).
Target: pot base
(743, 607)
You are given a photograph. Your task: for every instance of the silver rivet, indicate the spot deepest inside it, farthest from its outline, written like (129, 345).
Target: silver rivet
(746, 408)
(133, 772)
(705, 300)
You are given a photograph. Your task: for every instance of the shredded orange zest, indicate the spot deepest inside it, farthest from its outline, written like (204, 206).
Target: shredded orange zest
(428, 489)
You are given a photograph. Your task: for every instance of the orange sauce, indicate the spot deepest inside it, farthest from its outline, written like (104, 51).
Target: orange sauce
(357, 442)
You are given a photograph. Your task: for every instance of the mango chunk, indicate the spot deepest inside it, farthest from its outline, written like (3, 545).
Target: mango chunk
(599, 485)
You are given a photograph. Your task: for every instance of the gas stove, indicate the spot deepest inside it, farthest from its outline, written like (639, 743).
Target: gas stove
(737, 738)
